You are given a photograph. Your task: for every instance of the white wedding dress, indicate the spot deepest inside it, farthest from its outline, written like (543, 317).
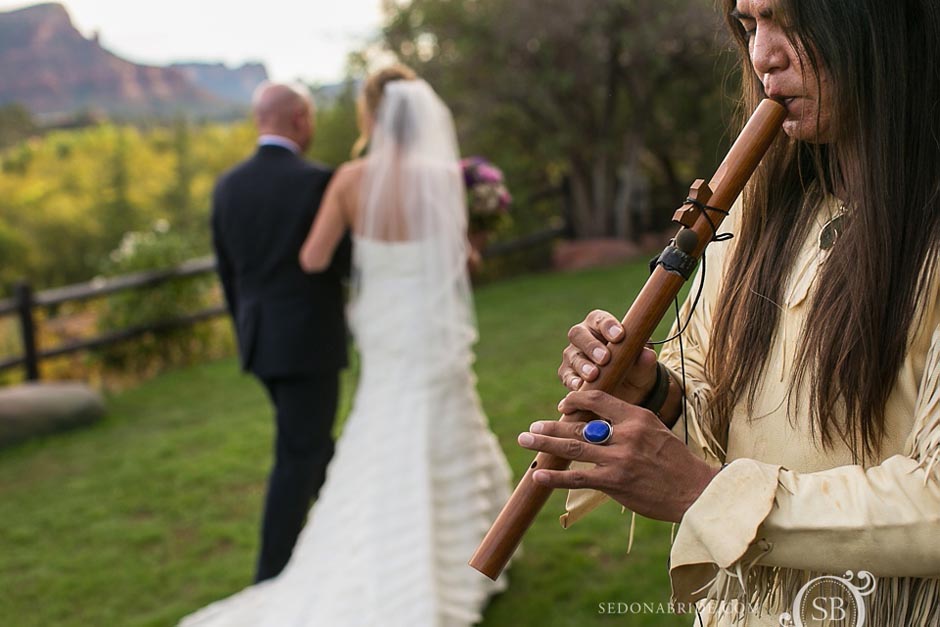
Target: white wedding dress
(416, 480)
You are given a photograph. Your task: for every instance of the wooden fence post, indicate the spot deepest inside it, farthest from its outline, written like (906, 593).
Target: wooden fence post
(24, 299)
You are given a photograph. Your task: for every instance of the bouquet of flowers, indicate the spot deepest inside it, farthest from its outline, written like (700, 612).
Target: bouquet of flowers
(488, 199)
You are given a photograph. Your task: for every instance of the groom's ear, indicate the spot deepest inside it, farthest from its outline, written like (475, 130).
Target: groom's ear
(313, 119)
(312, 127)
(304, 122)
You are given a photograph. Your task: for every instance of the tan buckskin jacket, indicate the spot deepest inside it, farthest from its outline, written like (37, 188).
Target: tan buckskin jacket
(785, 510)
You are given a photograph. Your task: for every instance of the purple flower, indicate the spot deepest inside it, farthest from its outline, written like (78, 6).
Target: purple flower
(469, 165)
(487, 196)
(488, 173)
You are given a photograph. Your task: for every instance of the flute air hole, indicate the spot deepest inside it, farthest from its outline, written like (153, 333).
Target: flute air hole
(534, 464)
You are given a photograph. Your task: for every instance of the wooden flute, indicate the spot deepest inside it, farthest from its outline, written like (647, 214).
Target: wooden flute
(699, 217)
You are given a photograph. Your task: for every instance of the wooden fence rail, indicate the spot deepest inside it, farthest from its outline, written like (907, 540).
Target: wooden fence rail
(25, 302)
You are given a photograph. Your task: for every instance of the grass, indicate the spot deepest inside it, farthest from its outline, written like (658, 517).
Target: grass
(154, 512)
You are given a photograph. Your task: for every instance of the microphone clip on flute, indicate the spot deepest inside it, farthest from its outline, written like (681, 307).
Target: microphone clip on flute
(679, 256)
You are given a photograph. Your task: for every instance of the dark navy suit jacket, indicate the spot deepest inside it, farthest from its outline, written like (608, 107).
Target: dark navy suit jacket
(288, 323)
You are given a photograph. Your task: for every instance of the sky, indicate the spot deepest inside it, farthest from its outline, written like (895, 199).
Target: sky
(295, 39)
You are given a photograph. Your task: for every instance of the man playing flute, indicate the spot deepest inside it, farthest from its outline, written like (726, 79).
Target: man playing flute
(807, 382)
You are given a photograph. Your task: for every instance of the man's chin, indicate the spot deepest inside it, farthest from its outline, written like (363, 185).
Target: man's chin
(805, 132)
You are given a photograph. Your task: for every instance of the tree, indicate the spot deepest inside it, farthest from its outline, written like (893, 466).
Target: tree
(117, 208)
(12, 249)
(616, 92)
(179, 197)
(16, 124)
(336, 129)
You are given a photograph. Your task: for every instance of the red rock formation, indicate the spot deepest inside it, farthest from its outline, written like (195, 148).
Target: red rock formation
(52, 69)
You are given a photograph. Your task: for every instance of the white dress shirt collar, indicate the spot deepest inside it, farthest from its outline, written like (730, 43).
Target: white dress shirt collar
(279, 140)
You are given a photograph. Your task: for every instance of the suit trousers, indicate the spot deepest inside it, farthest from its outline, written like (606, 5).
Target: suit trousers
(305, 410)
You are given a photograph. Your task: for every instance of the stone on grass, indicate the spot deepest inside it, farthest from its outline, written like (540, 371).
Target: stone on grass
(40, 408)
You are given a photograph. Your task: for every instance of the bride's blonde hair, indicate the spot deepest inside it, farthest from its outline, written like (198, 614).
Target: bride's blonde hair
(367, 105)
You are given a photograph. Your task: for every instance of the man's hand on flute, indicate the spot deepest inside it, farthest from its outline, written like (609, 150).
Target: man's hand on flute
(643, 465)
(584, 357)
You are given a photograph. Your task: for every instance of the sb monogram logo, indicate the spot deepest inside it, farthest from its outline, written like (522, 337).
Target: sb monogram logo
(831, 600)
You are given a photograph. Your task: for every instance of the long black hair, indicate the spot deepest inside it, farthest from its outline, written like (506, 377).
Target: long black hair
(882, 59)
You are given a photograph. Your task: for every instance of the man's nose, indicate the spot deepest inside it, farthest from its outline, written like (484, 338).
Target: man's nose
(769, 51)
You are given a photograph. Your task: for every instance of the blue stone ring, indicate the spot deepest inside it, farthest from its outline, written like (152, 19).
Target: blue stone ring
(597, 432)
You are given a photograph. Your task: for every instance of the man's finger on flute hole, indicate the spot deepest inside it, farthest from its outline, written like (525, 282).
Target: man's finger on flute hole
(569, 379)
(566, 372)
(584, 368)
(566, 448)
(605, 325)
(586, 344)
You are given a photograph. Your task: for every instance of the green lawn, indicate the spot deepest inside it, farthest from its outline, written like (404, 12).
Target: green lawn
(154, 512)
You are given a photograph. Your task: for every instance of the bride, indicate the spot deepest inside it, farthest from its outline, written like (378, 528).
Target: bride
(417, 477)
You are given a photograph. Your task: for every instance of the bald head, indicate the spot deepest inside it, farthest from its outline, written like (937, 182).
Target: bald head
(285, 110)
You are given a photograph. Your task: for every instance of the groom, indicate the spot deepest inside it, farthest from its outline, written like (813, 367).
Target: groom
(290, 327)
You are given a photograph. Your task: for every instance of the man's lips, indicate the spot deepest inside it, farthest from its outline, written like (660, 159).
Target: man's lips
(780, 97)
(788, 105)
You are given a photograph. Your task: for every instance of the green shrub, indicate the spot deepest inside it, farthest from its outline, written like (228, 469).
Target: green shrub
(157, 248)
